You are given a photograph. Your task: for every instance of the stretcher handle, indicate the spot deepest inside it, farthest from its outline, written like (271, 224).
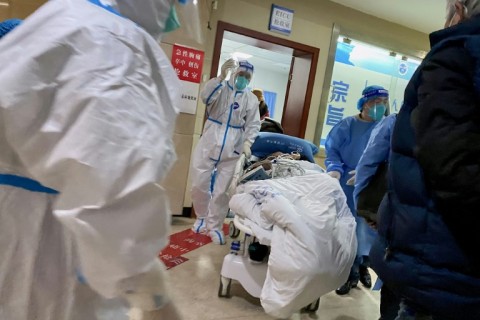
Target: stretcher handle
(238, 223)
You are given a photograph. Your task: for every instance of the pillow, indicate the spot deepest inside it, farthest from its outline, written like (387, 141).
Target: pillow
(268, 143)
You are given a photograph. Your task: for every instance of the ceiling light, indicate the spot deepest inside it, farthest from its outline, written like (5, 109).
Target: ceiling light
(241, 55)
(4, 4)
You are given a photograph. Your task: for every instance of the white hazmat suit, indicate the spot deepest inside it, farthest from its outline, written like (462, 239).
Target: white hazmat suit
(232, 125)
(86, 109)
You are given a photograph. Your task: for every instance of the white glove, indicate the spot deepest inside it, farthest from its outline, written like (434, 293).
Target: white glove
(246, 149)
(351, 181)
(335, 174)
(227, 66)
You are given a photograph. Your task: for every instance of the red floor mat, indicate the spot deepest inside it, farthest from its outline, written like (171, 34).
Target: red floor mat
(183, 242)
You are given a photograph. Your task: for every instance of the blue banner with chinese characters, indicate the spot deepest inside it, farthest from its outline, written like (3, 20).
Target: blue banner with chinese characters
(358, 65)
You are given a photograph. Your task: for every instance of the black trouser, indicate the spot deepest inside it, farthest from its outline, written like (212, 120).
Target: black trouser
(389, 304)
(363, 263)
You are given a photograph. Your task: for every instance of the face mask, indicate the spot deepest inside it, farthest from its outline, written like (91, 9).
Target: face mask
(151, 15)
(377, 112)
(241, 82)
(172, 22)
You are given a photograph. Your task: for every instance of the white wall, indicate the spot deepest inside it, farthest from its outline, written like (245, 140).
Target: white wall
(269, 80)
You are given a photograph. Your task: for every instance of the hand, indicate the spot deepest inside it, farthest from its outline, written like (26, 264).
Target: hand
(335, 174)
(246, 149)
(227, 66)
(351, 181)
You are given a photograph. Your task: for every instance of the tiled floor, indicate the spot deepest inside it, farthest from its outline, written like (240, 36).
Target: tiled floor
(195, 287)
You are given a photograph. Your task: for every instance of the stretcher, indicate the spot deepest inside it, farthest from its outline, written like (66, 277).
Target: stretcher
(237, 265)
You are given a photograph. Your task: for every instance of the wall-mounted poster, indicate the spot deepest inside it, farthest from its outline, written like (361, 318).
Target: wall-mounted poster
(188, 64)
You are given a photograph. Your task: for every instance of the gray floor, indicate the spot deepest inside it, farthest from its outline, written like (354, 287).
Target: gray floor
(195, 286)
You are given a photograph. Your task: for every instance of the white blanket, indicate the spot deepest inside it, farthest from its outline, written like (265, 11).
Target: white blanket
(313, 241)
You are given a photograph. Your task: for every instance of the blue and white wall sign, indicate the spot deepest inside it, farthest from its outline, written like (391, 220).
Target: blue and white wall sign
(281, 19)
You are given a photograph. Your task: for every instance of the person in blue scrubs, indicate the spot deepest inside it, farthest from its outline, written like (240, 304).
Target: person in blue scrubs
(344, 147)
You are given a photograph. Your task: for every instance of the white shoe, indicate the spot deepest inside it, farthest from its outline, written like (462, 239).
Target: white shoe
(200, 226)
(217, 237)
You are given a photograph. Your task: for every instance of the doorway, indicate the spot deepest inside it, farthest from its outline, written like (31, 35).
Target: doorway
(297, 61)
(272, 71)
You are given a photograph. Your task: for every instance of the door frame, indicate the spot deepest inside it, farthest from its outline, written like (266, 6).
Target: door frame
(299, 49)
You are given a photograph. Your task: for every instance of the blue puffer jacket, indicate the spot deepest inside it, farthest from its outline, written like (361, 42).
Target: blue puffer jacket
(428, 247)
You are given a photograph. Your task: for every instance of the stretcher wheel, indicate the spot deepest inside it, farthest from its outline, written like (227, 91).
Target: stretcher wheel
(233, 231)
(224, 288)
(312, 307)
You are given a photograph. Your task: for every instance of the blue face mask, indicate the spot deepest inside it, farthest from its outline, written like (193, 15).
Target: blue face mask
(377, 112)
(241, 82)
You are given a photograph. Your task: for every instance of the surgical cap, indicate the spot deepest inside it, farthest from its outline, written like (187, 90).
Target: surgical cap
(369, 93)
(246, 66)
(8, 25)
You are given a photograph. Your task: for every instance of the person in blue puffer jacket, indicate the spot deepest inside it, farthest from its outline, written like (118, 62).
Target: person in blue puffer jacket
(427, 249)
(344, 147)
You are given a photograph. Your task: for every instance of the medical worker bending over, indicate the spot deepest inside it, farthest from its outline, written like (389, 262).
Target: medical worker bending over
(376, 153)
(86, 120)
(344, 147)
(232, 125)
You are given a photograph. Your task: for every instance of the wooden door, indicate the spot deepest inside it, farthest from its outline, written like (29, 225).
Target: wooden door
(294, 110)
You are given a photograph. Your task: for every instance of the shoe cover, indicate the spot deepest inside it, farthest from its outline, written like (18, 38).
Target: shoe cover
(217, 236)
(199, 226)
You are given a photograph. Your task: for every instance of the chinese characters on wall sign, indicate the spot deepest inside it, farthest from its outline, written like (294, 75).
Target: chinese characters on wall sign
(337, 104)
(281, 19)
(188, 64)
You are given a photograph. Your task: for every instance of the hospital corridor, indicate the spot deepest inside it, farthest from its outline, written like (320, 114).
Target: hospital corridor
(239, 159)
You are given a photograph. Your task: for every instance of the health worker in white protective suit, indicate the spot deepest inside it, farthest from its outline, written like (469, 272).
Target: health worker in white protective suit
(86, 121)
(233, 122)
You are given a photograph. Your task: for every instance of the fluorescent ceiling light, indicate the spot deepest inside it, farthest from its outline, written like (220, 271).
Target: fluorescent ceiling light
(4, 4)
(241, 55)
